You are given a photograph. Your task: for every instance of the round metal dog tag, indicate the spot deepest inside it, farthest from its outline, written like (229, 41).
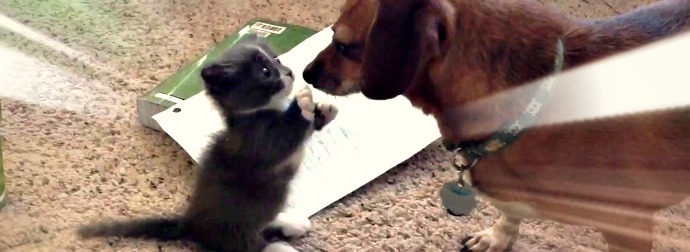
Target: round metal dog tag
(457, 200)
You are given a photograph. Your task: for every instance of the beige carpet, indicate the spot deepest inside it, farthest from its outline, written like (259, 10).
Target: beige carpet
(75, 152)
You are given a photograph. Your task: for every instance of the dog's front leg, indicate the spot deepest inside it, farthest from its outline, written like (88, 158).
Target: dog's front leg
(497, 238)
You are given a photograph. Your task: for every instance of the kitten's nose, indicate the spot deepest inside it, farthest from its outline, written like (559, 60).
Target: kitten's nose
(211, 71)
(291, 74)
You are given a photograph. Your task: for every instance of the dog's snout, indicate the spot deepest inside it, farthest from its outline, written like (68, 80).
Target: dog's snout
(312, 72)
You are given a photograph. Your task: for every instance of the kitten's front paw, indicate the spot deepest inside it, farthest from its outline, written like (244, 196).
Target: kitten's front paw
(305, 101)
(291, 226)
(327, 112)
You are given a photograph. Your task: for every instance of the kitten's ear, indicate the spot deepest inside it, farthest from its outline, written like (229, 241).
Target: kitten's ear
(216, 71)
(253, 39)
(250, 37)
(211, 72)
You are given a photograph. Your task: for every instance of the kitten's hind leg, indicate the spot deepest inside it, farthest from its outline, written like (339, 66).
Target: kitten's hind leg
(287, 226)
(279, 247)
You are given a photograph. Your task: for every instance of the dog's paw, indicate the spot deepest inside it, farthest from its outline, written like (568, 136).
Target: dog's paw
(291, 226)
(487, 241)
(327, 112)
(279, 247)
(305, 101)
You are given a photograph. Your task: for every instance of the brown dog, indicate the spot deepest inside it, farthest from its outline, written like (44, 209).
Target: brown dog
(613, 174)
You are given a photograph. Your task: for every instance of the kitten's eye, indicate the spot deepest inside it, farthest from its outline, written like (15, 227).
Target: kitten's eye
(278, 60)
(266, 72)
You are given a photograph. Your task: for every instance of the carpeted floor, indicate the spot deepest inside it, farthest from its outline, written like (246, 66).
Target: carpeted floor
(75, 152)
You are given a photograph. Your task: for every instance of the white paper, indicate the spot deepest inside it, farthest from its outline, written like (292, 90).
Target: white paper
(366, 139)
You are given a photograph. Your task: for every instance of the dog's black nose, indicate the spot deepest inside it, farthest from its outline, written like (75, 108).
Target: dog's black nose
(312, 72)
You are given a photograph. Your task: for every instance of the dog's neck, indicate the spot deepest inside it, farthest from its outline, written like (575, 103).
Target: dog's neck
(493, 52)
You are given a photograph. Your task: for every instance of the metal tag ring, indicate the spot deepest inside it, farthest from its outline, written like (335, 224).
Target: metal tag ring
(462, 167)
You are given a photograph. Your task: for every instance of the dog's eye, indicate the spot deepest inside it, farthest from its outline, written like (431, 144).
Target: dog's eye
(339, 47)
(351, 51)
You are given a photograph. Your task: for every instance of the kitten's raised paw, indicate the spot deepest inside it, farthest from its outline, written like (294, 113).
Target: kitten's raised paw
(279, 247)
(305, 101)
(327, 112)
(291, 226)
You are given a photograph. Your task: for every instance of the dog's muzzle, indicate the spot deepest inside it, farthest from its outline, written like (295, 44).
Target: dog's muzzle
(312, 73)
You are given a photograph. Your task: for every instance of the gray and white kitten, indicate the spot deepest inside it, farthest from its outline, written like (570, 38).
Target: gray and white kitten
(242, 184)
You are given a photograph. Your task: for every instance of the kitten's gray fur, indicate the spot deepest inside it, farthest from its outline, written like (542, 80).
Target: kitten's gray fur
(243, 179)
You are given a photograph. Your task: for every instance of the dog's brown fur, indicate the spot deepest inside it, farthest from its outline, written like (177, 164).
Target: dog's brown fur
(443, 54)
(332, 71)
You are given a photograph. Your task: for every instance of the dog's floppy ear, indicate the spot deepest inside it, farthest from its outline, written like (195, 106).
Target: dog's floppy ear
(404, 37)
